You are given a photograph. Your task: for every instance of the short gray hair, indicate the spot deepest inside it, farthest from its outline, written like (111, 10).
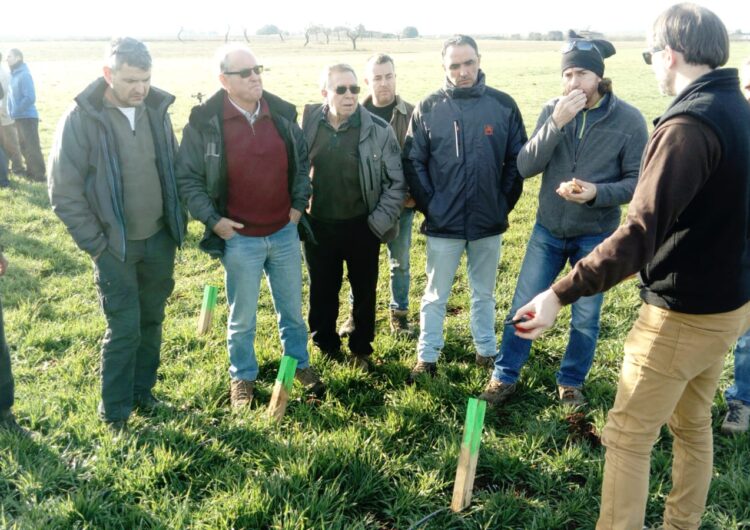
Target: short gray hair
(341, 68)
(127, 50)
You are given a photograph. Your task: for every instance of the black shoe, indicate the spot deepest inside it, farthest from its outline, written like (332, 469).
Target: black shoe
(117, 427)
(146, 403)
(8, 422)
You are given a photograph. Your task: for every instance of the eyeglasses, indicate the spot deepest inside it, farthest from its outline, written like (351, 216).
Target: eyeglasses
(648, 55)
(581, 44)
(247, 72)
(341, 90)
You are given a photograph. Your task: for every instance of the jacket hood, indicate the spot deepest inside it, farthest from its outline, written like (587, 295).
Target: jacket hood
(200, 115)
(91, 99)
(19, 67)
(464, 93)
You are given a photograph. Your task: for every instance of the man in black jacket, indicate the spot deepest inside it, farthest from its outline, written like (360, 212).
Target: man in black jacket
(463, 142)
(688, 233)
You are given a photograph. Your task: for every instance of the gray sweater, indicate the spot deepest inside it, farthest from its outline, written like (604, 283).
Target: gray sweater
(608, 155)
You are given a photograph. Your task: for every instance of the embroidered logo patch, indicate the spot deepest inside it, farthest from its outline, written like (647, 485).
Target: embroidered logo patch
(488, 130)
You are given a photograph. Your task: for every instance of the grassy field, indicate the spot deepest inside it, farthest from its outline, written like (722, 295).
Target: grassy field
(374, 453)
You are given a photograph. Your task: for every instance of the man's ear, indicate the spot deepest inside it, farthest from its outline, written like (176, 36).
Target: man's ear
(671, 57)
(107, 72)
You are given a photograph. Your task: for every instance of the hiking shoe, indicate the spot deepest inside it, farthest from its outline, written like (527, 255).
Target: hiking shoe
(310, 381)
(241, 393)
(347, 327)
(421, 368)
(485, 362)
(9, 423)
(570, 395)
(360, 361)
(497, 392)
(737, 418)
(400, 324)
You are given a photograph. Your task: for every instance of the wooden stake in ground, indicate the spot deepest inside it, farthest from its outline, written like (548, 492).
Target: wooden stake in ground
(282, 388)
(467, 458)
(207, 310)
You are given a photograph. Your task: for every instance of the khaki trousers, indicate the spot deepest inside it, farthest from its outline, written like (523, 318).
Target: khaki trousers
(669, 375)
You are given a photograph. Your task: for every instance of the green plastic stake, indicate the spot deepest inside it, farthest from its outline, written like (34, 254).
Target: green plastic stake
(474, 424)
(209, 297)
(286, 372)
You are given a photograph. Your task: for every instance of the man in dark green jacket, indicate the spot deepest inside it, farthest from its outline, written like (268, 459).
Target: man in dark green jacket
(112, 182)
(358, 193)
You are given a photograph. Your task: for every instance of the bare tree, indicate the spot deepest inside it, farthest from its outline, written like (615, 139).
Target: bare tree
(226, 35)
(354, 34)
(179, 34)
(244, 32)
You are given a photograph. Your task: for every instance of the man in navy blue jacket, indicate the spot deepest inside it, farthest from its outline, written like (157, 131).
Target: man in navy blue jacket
(462, 145)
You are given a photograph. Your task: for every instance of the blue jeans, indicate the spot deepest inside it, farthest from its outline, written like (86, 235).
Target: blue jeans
(545, 258)
(245, 259)
(398, 259)
(443, 257)
(740, 390)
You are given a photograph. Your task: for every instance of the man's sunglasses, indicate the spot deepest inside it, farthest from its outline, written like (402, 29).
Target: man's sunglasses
(583, 45)
(341, 90)
(247, 72)
(648, 55)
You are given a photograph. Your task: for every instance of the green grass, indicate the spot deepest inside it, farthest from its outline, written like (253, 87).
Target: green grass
(374, 453)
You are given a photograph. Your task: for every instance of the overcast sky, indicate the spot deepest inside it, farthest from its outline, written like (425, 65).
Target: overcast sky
(149, 18)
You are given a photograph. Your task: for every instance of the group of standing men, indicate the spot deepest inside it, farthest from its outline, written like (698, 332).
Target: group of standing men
(260, 183)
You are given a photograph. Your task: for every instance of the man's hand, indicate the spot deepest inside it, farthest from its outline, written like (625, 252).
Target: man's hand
(577, 190)
(225, 228)
(295, 215)
(3, 264)
(545, 306)
(409, 201)
(568, 106)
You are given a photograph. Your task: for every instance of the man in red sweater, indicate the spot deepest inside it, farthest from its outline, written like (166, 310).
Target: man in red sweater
(242, 170)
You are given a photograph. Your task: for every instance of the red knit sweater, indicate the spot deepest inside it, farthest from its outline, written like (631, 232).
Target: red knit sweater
(257, 172)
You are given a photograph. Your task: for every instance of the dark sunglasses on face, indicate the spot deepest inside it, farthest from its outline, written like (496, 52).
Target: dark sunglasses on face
(341, 90)
(583, 45)
(247, 72)
(648, 55)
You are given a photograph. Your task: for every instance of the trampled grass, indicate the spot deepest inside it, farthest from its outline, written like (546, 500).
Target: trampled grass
(375, 453)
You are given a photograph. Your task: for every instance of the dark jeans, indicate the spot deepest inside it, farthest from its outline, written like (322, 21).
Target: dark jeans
(6, 376)
(351, 242)
(28, 138)
(3, 167)
(133, 295)
(9, 142)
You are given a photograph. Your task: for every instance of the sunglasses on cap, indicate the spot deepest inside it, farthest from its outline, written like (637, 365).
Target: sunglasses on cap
(247, 72)
(583, 45)
(341, 90)
(648, 55)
